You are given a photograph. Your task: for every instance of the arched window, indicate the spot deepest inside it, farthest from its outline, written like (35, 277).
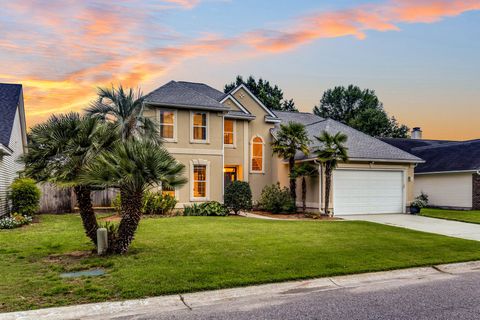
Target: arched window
(257, 154)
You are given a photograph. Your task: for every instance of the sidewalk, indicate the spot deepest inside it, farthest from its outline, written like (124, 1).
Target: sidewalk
(157, 305)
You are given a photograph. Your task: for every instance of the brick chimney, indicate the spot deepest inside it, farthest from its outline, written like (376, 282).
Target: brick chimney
(417, 133)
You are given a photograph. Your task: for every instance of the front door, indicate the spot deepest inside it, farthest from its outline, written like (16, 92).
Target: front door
(229, 175)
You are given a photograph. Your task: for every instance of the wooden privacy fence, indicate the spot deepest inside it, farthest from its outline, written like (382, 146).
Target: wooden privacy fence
(61, 200)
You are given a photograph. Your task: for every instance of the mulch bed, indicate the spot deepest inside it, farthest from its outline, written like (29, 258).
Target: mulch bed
(296, 216)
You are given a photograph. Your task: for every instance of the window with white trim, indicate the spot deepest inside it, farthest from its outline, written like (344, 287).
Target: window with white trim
(199, 181)
(167, 124)
(228, 132)
(257, 154)
(199, 124)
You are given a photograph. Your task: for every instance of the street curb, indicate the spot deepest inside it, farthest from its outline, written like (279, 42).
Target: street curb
(107, 310)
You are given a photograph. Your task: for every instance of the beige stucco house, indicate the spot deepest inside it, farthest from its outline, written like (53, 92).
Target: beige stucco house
(221, 137)
(13, 138)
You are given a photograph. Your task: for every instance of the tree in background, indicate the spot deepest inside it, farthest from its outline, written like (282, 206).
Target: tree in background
(332, 150)
(304, 170)
(270, 96)
(291, 138)
(360, 109)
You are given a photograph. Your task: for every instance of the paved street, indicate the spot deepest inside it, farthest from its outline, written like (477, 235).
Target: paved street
(442, 292)
(448, 297)
(469, 231)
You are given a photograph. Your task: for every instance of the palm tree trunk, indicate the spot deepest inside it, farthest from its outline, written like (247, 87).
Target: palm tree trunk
(328, 184)
(293, 182)
(131, 214)
(304, 194)
(87, 214)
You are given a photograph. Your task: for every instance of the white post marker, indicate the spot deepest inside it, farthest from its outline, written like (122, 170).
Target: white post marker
(102, 241)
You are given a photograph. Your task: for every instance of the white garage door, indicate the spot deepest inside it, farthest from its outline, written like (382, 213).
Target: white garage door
(367, 191)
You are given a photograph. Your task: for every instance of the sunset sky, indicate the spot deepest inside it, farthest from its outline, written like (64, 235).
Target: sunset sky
(422, 57)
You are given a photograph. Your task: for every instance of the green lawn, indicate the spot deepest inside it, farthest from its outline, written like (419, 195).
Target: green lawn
(472, 216)
(173, 255)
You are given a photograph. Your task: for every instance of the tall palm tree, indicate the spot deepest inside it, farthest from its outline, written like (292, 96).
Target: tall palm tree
(133, 166)
(124, 107)
(304, 170)
(290, 139)
(330, 153)
(58, 151)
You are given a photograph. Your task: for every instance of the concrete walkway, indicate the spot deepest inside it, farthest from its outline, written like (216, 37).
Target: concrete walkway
(247, 297)
(449, 228)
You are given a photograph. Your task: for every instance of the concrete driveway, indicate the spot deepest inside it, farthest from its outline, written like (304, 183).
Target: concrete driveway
(456, 229)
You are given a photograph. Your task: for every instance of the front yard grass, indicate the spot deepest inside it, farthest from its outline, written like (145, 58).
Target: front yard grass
(182, 254)
(472, 216)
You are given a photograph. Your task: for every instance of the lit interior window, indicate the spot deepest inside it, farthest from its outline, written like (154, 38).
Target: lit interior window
(257, 154)
(200, 126)
(228, 131)
(200, 181)
(167, 123)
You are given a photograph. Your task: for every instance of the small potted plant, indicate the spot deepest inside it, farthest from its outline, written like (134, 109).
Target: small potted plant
(420, 202)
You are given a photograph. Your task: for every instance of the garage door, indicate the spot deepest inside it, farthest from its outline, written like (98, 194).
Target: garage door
(367, 191)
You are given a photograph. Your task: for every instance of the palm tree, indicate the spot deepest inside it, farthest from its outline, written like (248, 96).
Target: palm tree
(133, 166)
(304, 170)
(124, 107)
(331, 152)
(290, 139)
(58, 151)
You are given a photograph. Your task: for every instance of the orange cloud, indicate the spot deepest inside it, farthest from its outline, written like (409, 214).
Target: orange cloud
(355, 22)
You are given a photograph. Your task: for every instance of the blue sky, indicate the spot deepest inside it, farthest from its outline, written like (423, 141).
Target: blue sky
(421, 57)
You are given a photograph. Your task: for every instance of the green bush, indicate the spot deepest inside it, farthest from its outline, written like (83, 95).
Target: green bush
(25, 196)
(158, 203)
(238, 196)
(212, 208)
(153, 203)
(15, 221)
(275, 199)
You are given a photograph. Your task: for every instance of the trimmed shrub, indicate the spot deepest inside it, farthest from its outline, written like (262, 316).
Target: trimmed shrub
(15, 221)
(275, 199)
(238, 196)
(211, 208)
(25, 196)
(158, 203)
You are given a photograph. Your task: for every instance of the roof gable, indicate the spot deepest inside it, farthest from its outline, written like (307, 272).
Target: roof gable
(243, 89)
(9, 100)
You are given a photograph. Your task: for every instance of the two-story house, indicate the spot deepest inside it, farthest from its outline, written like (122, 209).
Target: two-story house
(222, 137)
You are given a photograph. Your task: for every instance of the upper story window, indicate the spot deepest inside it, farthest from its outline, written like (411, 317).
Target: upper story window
(257, 154)
(199, 126)
(229, 132)
(167, 124)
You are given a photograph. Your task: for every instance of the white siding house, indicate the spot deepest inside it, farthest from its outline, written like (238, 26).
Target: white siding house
(13, 138)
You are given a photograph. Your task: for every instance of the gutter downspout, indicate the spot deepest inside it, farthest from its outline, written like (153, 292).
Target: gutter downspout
(320, 185)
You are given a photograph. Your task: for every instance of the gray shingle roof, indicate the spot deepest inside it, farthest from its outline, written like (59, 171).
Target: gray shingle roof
(304, 118)
(441, 155)
(360, 145)
(9, 98)
(180, 94)
(204, 89)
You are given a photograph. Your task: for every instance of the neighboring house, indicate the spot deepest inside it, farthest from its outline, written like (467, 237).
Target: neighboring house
(13, 138)
(225, 137)
(450, 175)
